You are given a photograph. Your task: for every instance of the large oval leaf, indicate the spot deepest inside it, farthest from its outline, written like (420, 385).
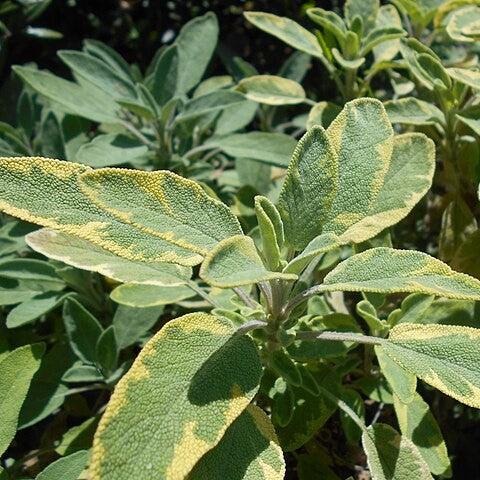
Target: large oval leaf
(272, 90)
(187, 386)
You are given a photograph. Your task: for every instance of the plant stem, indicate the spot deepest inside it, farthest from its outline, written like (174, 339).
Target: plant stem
(140, 135)
(203, 294)
(339, 337)
(244, 297)
(199, 149)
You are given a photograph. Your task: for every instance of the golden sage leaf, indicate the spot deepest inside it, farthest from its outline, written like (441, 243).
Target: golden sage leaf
(190, 382)
(464, 24)
(417, 422)
(444, 356)
(387, 270)
(16, 372)
(88, 256)
(235, 262)
(392, 456)
(47, 192)
(249, 446)
(164, 205)
(271, 90)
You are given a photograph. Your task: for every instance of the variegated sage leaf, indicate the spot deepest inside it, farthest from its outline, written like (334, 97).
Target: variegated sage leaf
(464, 24)
(249, 446)
(190, 382)
(387, 270)
(412, 111)
(235, 262)
(417, 422)
(444, 356)
(143, 296)
(286, 30)
(388, 16)
(466, 76)
(392, 456)
(47, 192)
(367, 10)
(162, 204)
(87, 256)
(271, 90)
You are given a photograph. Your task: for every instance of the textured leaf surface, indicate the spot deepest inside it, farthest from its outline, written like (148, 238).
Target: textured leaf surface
(137, 295)
(66, 468)
(16, 372)
(444, 356)
(464, 24)
(187, 386)
(391, 456)
(234, 262)
(248, 449)
(164, 205)
(286, 30)
(466, 76)
(47, 192)
(417, 422)
(271, 90)
(88, 256)
(386, 270)
(388, 16)
(412, 111)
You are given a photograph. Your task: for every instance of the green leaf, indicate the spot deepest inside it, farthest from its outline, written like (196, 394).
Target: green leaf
(66, 468)
(388, 16)
(286, 30)
(411, 111)
(313, 169)
(402, 382)
(444, 356)
(196, 43)
(82, 328)
(380, 35)
(323, 114)
(419, 425)
(329, 21)
(345, 63)
(164, 205)
(249, 446)
(234, 262)
(367, 10)
(466, 76)
(131, 324)
(386, 270)
(470, 118)
(165, 75)
(392, 456)
(17, 370)
(98, 73)
(72, 97)
(52, 138)
(271, 90)
(137, 295)
(47, 192)
(296, 66)
(106, 351)
(111, 149)
(283, 402)
(77, 438)
(270, 148)
(34, 308)
(88, 256)
(211, 84)
(463, 25)
(47, 391)
(187, 386)
(79, 373)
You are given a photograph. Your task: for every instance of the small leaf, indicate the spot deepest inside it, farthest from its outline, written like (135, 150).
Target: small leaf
(106, 351)
(165, 75)
(329, 21)
(411, 111)
(249, 446)
(281, 363)
(88, 256)
(463, 24)
(392, 456)
(367, 10)
(16, 372)
(417, 423)
(234, 262)
(286, 30)
(323, 114)
(444, 356)
(141, 296)
(271, 90)
(380, 35)
(283, 402)
(66, 468)
(270, 148)
(82, 328)
(187, 386)
(386, 270)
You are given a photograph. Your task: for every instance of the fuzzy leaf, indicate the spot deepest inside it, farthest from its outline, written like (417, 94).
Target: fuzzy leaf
(388, 16)
(88, 256)
(417, 423)
(164, 205)
(367, 10)
(466, 76)
(444, 356)
(271, 90)
(249, 446)
(386, 270)
(286, 30)
(411, 111)
(16, 372)
(187, 386)
(464, 24)
(391, 456)
(47, 192)
(141, 296)
(234, 262)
